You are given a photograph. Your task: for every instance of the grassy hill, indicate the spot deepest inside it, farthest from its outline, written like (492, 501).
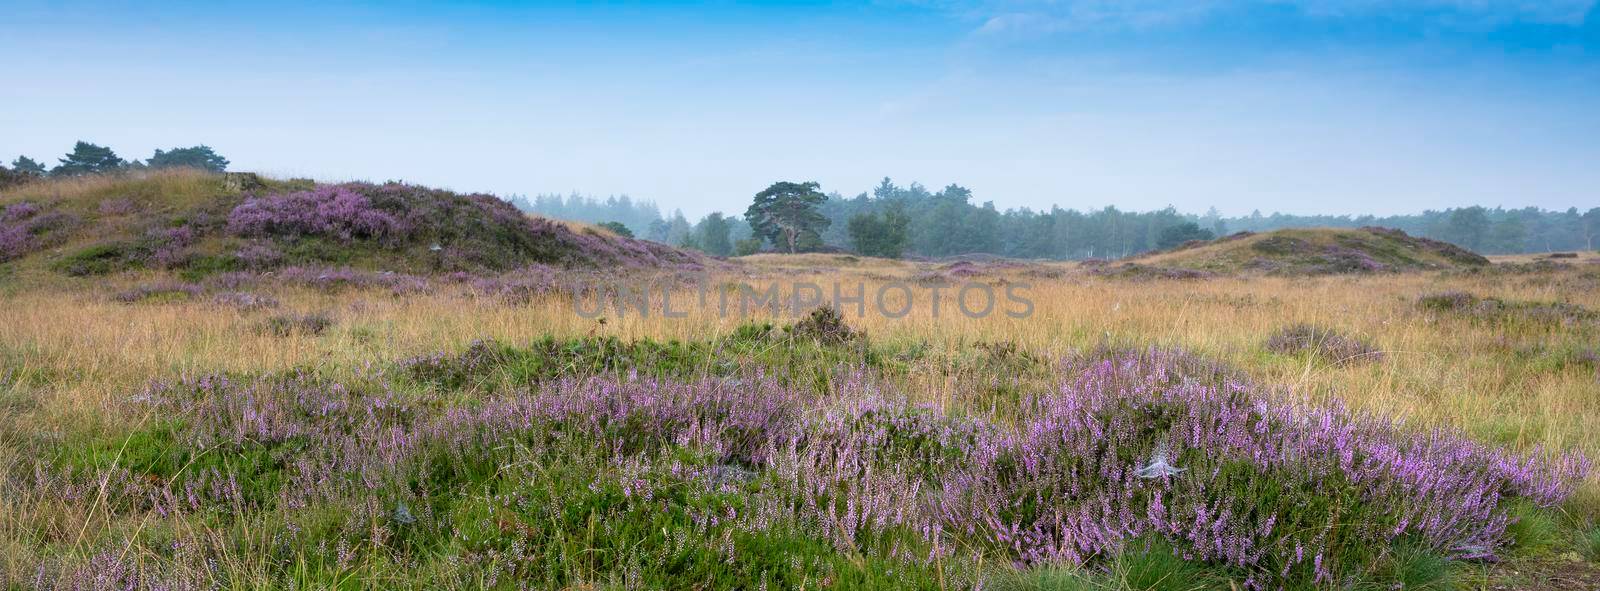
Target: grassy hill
(197, 223)
(1317, 251)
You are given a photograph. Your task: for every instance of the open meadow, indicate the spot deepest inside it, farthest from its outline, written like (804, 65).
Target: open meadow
(203, 386)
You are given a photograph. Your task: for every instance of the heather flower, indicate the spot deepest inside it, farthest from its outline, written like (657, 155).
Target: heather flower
(1088, 467)
(442, 230)
(332, 211)
(258, 255)
(517, 287)
(19, 211)
(24, 228)
(14, 241)
(170, 244)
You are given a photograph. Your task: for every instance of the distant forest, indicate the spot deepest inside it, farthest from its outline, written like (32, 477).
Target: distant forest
(948, 222)
(891, 220)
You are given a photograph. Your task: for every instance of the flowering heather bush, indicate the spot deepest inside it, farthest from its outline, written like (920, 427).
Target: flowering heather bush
(1044, 272)
(433, 230)
(19, 211)
(1502, 310)
(1322, 342)
(258, 255)
(1335, 259)
(745, 481)
(980, 267)
(169, 246)
(164, 247)
(14, 241)
(332, 211)
(24, 228)
(1300, 257)
(517, 287)
(391, 226)
(1589, 356)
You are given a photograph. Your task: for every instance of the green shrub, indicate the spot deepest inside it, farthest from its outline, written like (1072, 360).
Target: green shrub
(99, 259)
(491, 366)
(202, 266)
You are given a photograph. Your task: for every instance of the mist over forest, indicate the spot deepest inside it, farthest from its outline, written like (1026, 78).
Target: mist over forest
(891, 220)
(953, 221)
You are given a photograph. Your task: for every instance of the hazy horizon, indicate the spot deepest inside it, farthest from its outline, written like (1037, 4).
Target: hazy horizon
(1302, 107)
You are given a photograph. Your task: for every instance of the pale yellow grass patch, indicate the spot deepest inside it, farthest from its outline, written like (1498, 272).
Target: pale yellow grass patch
(1438, 370)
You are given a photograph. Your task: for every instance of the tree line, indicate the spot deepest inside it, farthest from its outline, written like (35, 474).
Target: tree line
(892, 221)
(716, 234)
(1485, 230)
(88, 158)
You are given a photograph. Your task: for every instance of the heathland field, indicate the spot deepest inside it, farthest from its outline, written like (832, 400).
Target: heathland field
(232, 382)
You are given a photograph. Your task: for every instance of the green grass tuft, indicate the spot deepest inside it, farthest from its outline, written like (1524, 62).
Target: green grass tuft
(1532, 530)
(1153, 565)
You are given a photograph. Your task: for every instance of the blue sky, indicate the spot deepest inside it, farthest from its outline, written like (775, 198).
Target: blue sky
(1303, 106)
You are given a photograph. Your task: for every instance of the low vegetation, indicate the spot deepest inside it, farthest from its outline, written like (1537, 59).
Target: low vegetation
(192, 223)
(358, 414)
(753, 479)
(1316, 252)
(1500, 310)
(1323, 343)
(952, 221)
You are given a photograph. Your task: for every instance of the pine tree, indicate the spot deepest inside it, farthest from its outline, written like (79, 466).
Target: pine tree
(87, 158)
(786, 214)
(201, 157)
(28, 166)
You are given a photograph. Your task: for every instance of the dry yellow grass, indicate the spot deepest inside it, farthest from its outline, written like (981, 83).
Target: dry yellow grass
(171, 187)
(1483, 377)
(79, 351)
(70, 353)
